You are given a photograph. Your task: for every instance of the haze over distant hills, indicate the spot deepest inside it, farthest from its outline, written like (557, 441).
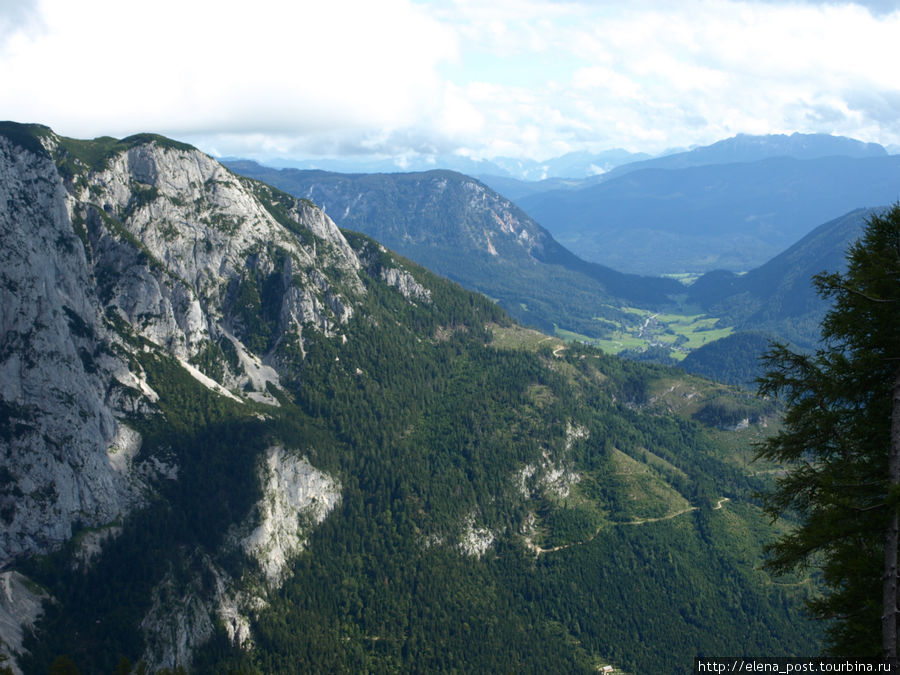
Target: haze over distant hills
(776, 301)
(463, 230)
(750, 148)
(779, 296)
(573, 165)
(699, 218)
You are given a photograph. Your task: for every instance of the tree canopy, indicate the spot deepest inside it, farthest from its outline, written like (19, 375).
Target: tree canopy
(841, 439)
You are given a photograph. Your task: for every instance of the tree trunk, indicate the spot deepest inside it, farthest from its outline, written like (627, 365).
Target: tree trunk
(892, 534)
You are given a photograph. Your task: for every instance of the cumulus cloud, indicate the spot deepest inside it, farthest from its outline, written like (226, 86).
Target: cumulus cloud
(105, 66)
(399, 77)
(653, 74)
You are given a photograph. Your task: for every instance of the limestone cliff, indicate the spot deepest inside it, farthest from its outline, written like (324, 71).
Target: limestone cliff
(116, 249)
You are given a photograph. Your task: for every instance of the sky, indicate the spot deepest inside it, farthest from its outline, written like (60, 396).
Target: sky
(403, 78)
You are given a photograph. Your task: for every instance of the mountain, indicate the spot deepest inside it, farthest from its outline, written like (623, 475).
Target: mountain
(389, 164)
(460, 228)
(515, 188)
(751, 148)
(236, 438)
(778, 296)
(613, 164)
(734, 359)
(701, 218)
(774, 302)
(574, 165)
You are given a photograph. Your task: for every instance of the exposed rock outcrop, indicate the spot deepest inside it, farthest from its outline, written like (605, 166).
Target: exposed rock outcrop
(296, 497)
(57, 363)
(119, 254)
(156, 242)
(20, 607)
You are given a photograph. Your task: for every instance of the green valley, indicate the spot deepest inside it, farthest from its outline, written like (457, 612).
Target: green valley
(671, 335)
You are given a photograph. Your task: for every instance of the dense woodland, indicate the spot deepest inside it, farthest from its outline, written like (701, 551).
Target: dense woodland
(427, 420)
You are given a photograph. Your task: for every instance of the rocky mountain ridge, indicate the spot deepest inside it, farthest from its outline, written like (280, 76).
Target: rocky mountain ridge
(235, 437)
(150, 248)
(170, 240)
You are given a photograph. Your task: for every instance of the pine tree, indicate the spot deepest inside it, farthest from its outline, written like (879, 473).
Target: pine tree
(841, 440)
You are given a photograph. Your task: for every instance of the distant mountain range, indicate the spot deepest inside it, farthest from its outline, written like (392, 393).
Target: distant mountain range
(750, 148)
(573, 165)
(776, 301)
(716, 216)
(460, 228)
(778, 296)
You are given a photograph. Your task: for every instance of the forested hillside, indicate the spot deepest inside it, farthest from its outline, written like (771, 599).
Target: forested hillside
(779, 297)
(327, 458)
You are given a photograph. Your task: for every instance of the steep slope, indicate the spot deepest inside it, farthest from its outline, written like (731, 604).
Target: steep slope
(330, 459)
(723, 216)
(457, 227)
(778, 297)
(164, 239)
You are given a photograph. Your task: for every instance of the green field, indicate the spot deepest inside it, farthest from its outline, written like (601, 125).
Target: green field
(676, 333)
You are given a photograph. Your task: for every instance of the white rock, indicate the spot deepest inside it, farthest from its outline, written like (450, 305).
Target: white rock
(20, 606)
(296, 496)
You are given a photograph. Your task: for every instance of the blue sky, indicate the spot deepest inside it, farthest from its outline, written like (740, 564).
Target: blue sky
(400, 78)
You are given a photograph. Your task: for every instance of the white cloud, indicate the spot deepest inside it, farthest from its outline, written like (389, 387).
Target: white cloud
(106, 66)
(505, 77)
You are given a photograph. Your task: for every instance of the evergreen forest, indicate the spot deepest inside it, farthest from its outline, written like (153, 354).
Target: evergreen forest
(622, 527)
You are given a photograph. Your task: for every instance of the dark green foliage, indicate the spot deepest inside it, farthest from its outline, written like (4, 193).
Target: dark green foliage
(838, 438)
(255, 303)
(428, 428)
(726, 412)
(26, 136)
(162, 141)
(736, 359)
(570, 525)
(215, 444)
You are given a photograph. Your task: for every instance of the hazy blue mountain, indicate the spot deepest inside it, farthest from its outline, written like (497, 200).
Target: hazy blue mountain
(751, 148)
(572, 166)
(740, 148)
(774, 302)
(460, 228)
(235, 438)
(390, 164)
(728, 216)
(516, 188)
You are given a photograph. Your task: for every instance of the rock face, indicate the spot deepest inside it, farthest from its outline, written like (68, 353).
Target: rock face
(57, 363)
(296, 497)
(114, 250)
(433, 209)
(20, 606)
(162, 238)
